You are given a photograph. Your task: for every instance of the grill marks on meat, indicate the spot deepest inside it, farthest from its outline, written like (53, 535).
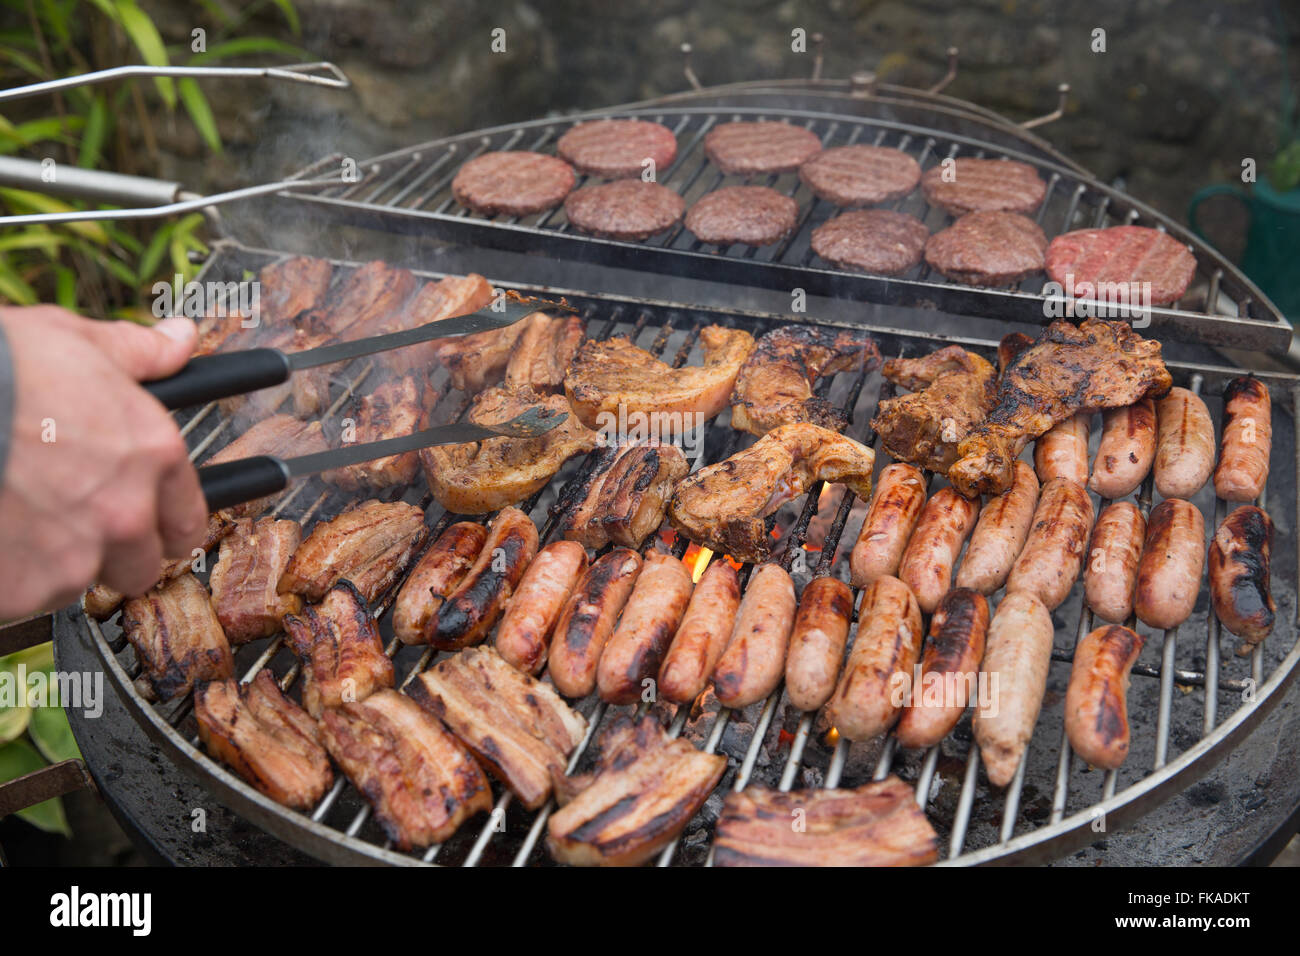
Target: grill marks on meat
(177, 638)
(469, 612)
(875, 240)
(860, 175)
(392, 410)
(607, 376)
(752, 149)
(338, 643)
(644, 792)
(878, 824)
(371, 294)
(1095, 365)
(543, 351)
(287, 289)
(369, 545)
(626, 209)
(281, 435)
(971, 185)
(518, 727)
(623, 497)
(754, 215)
(245, 578)
(434, 578)
(266, 738)
(618, 148)
(512, 182)
(775, 385)
(952, 391)
(988, 248)
(419, 779)
(478, 477)
(444, 299)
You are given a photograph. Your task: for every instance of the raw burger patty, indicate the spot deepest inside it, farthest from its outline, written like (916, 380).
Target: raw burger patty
(988, 248)
(754, 215)
(615, 149)
(625, 209)
(513, 183)
(860, 175)
(877, 240)
(984, 185)
(1123, 254)
(751, 149)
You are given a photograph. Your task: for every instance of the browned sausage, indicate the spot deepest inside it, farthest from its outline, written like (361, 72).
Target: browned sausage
(949, 669)
(1096, 705)
(1247, 440)
(434, 578)
(525, 631)
(468, 614)
(1185, 446)
(1126, 450)
(752, 664)
(588, 619)
(1112, 563)
(999, 534)
(821, 629)
(1058, 539)
(1017, 656)
(875, 682)
(1239, 574)
(1169, 571)
(927, 563)
(895, 508)
(1062, 451)
(703, 634)
(650, 619)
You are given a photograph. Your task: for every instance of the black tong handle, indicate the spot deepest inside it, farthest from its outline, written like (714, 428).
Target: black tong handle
(234, 482)
(210, 377)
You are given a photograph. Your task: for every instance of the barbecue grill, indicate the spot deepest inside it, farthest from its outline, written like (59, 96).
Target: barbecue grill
(1192, 701)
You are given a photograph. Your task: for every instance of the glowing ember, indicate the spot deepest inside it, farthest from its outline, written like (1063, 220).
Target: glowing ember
(697, 559)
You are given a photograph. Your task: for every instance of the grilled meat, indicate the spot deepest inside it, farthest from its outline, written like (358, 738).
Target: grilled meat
(774, 386)
(1094, 365)
(478, 477)
(444, 299)
(369, 545)
(878, 824)
(518, 728)
(722, 506)
(434, 578)
(952, 390)
(177, 638)
(289, 288)
(615, 377)
(543, 351)
(246, 574)
(280, 435)
(268, 739)
(470, 611)
(370, 295)
(393, 409)
(220, 333)
(622, 498)
(338, 643)
(645, 790)
(418, 778)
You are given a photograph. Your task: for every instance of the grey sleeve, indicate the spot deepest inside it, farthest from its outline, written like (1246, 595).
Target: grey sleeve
(6, 400)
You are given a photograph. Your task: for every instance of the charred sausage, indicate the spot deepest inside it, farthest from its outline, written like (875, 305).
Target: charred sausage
(950, 667)
(1185, 444)
(1247, 440)
(1062, 451)
(650, 619)
(821, 629)
(434, 578)
(895, 508)
(525, 632)
(1126, 450)
(703, 635)
(927, 563)
(752, 664)
(588, 619)
(1239, 574)
(999, 534)
(1169, 571)
(1096, 705)
(1112, 563)
(468, 614)
(1058, 539)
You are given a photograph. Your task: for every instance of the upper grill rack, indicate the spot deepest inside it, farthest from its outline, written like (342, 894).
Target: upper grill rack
(410, 191)
(1048, 810)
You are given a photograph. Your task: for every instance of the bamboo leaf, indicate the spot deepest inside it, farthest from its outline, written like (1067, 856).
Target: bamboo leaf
(34, 237)
(196, 104)
(21, 201)
(290, 15)
(147, 40)
(246, 46)
(65, 287)
(153, 253)
(13, 287)
(92, 138)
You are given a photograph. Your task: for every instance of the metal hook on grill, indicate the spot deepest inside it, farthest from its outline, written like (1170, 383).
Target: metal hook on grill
(818, 39)
(322, 73)
(1063, 94)
(949, 76)
(686, 68)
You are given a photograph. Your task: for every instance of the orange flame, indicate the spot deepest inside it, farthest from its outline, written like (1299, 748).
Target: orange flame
(696, 559)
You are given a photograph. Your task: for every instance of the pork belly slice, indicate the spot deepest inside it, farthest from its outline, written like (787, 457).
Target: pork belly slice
(338, 643)
(878, 824)
(291, 287)
(392, 410)
(246, 575)
(280, 435)
(542, 353)
(266, 738)
(419, 779)
(371, 294)
(444, 299)
(177, 638)
(369, 545)
(624, 497)
(645, 790)
(518, 727)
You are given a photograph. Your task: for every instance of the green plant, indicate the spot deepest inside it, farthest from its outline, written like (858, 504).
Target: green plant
(1284, 173)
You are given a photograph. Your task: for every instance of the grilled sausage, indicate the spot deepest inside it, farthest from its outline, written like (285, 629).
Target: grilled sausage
(1246, 442)
(874, 686)
(1112, 563)
(821, 629)
(434, 578)
(1169, 571)
(1185, 444)
(588, 619)
(1017, 656)
(525, 632)
(752, 664)
(927, 563)
(1126, 450)
(467, 616)
(1058, 538)
(1239, 573)
(1096, 705)
(703, 634)
(650, 619)
(1062, 451)
(999, 534)
(949, 669)
(895, 508)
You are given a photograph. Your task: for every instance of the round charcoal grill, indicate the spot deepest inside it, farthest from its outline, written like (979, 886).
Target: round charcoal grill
(1193, 702)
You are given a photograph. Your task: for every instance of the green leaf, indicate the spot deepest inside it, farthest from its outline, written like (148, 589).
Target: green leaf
(37, 658)
(93, 136)
(13, 721)
(245, 46)
(147, 40)
(19, 758)
(65, 287)
(23, 201)
(52, 734)
(13, 287)
(196, 104)
(153, 253)
(290, 15)
(33, 237)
